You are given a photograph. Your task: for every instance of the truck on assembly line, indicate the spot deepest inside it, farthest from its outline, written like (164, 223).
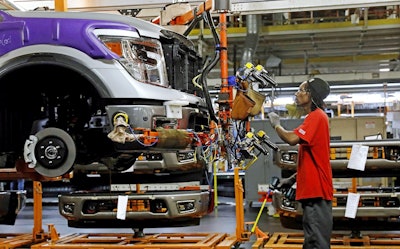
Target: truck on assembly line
(116, 102)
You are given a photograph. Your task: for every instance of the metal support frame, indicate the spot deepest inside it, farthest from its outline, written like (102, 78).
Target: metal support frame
(338, 241)
(18, 240)
(38, 234)
(197, 240)
(60, 5)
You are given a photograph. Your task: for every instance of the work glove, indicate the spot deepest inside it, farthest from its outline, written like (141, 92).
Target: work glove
(287, 182)
(274, 119)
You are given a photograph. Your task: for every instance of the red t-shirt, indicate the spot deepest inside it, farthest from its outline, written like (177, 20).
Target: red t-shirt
(314, 172)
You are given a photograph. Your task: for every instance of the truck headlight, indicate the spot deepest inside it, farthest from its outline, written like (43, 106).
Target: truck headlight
(186, 156)
(186, 206)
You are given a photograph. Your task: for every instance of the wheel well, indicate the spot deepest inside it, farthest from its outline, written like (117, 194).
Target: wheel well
(31, 92)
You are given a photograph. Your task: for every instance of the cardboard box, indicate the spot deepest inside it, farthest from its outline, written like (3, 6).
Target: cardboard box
(369, 126)
(343, 128)
(357, 128)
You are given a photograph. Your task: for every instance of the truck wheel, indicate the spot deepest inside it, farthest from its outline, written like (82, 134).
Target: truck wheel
(55, 152)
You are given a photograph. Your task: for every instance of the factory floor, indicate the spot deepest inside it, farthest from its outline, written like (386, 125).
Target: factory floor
(221, 220)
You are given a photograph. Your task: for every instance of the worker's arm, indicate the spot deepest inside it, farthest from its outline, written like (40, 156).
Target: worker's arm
(288, 136)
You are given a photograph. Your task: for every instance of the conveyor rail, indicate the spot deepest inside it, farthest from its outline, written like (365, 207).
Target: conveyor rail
(196, 240)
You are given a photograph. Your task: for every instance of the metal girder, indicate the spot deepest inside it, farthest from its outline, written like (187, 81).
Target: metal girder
(238, 6)
(281, 6)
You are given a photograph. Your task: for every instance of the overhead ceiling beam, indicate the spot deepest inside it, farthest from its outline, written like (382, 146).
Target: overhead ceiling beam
(281, 6)
(240, 6)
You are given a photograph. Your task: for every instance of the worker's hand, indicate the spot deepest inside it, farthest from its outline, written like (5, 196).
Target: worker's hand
(274, 119)
(287, 182)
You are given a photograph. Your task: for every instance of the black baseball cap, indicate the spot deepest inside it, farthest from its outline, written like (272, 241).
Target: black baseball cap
(319, 88)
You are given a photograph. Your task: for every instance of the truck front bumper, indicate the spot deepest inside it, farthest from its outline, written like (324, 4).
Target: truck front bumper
(143, 210)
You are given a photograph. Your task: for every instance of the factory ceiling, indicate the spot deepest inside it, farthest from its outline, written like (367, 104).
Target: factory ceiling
(344, 42)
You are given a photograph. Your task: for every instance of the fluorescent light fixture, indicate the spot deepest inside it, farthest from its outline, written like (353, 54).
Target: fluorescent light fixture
(365, 85)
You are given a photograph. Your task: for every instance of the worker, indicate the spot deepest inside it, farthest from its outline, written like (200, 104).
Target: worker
(314, 187)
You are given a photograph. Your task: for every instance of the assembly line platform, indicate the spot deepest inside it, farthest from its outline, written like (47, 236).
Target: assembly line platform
(196, 240)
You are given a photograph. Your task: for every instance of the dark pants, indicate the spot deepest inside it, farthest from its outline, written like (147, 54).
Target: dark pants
(317, 223)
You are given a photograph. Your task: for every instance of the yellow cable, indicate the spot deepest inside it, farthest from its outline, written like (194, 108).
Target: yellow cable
(215, 185)
(258, 216)
(123, 115)
(194, 81)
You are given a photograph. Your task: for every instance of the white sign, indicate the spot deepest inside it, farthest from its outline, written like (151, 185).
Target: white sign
(352, 205)
(121, 206)
(358, 157)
